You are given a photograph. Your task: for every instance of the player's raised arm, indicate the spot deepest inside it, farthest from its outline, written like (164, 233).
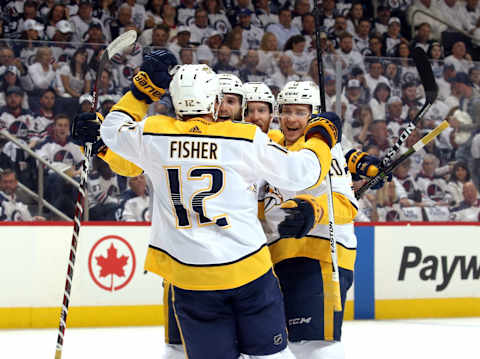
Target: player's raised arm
(303, 169)
(122, 128)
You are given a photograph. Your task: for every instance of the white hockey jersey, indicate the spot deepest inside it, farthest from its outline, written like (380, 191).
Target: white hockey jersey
(101, 190)
(137, 209)
(12, 210)
(316, 244)
(433, 189)
(18, 126)
(66, 155)
(205, 231)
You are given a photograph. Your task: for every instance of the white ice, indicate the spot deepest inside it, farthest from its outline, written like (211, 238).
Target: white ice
(402, 339)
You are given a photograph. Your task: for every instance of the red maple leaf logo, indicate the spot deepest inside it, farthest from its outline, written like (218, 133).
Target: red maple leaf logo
(112, 265)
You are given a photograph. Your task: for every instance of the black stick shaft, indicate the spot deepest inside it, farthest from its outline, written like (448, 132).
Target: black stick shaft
(321, 76)
(404, 135)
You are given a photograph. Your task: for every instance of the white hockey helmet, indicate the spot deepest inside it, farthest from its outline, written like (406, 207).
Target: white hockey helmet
(194, 90)
(231, 84)
(301, 93)
(259, 92)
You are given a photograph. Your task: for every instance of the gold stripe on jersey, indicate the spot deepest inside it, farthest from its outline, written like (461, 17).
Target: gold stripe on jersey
(120, 165)
(130, 105)
(178, 322)
(311, 247)
(328, 301)
(261, 210)
(344, 210)
(166, 290)
(208, 277)
(199, 127)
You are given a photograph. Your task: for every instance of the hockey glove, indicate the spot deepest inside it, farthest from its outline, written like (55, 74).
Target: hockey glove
(327, 126)
(153, 79)
(304, 212)
(361, 164)
(85, 128)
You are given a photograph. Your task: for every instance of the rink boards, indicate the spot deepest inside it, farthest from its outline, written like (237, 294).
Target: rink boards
(402, 271)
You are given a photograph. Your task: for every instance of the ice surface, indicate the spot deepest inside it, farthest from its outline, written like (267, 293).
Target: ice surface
(402, 339)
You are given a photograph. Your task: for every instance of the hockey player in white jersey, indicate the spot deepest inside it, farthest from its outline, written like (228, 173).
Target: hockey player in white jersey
(231, 109)
(302, 255)
(208, 251)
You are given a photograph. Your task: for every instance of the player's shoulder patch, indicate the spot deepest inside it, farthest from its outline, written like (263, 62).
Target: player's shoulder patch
(276, 136)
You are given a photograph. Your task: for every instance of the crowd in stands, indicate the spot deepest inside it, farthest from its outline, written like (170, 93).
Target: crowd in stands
(49, 52)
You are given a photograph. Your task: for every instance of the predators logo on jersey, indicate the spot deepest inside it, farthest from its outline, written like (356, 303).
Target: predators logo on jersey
(273, 197)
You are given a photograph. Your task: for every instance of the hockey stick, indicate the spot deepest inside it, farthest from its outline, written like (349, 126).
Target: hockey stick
(424, 69)
(335, 290)
(119, 44)
(427, 78)
(391, 167)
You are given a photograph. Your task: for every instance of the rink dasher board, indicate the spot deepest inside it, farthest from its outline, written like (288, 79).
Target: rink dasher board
(33, 262)
(417, 270)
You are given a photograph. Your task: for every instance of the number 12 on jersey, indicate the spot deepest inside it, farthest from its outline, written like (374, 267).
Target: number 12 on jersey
(197, 202)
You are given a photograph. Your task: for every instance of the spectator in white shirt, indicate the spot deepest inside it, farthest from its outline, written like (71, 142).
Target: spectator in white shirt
(285, 72)
(375, 74)
(137, 208)
(354, 16)
(460, 58)
(295, 49)
(434, 188)
(73, 79)
(429, 7)
(449, 11)
(153, 13)
(83, 19)
(181, 40)
(264, 14)
(11, 209)
(349, 57)
(392, 37)
(57, 13)
(268, 53)
(300, 8)
(138, 14)
(469, 208)
(284, 29)
(379, 100)
(362, 35)
(216, 16)
(459, 176)
(382, 21)
(470, 13)
(199, 29)
(251, 35)
(42, 72)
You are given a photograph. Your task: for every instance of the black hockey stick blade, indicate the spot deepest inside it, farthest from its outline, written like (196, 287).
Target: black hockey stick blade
(425, 72)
